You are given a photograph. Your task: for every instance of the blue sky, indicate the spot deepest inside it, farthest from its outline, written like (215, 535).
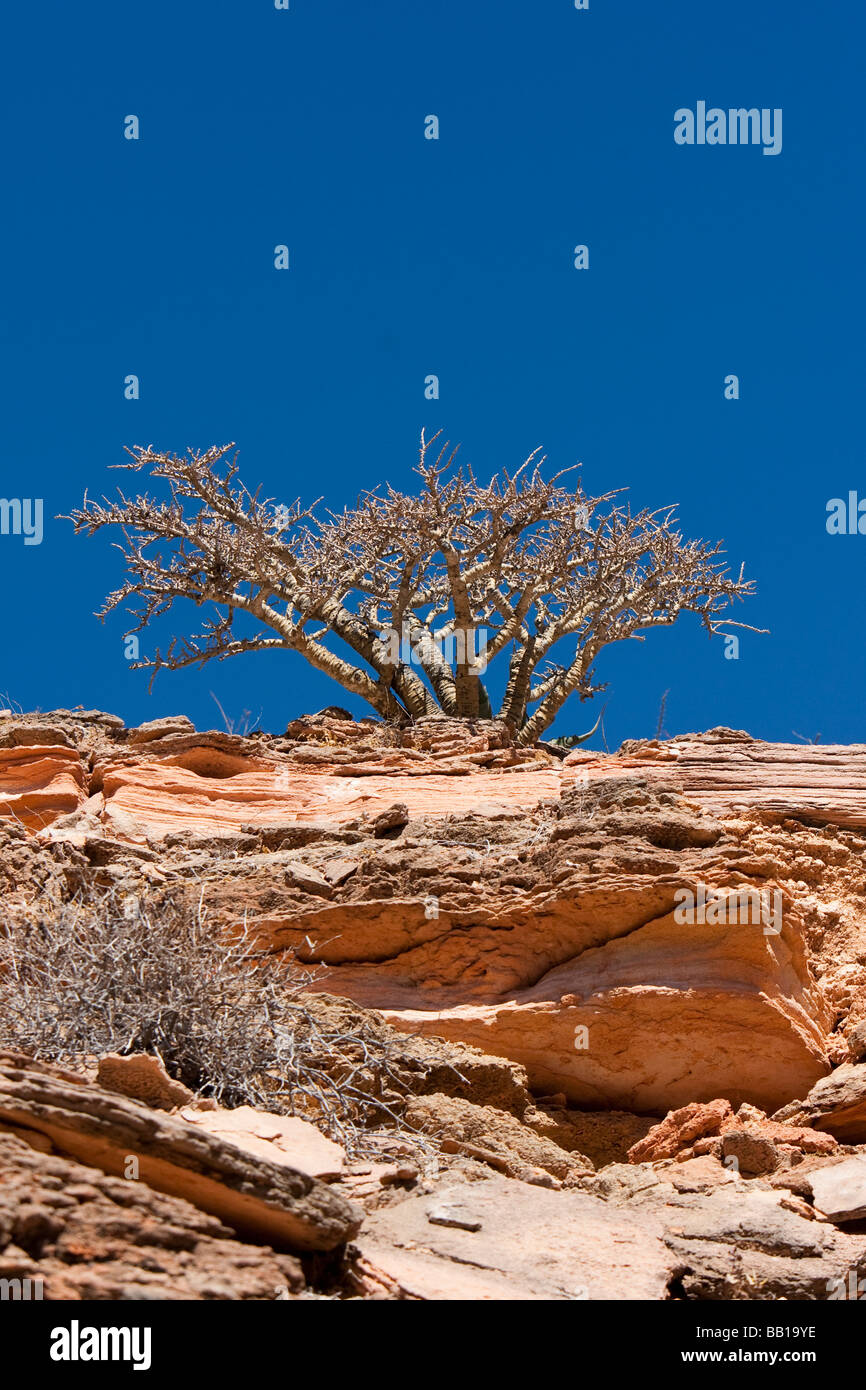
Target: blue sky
(453, 257)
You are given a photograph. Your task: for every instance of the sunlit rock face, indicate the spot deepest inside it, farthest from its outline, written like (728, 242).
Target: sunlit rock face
(503, 897)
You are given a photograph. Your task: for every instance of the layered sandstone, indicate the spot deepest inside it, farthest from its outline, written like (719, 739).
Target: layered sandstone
(494, 895)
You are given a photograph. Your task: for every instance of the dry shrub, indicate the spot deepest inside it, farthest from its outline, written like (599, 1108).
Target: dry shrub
(109, 974)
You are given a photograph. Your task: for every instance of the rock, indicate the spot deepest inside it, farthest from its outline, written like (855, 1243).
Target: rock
(756, 1142)
(839, 1190)
(282, 1139)
(393, 818)
(732, 1239)
(339, 870)
(581, 882)
(160, 728)
(856, 1039)
(727, 770)
(262, 1200)
(459, 1217)
(755, 1154)
(306, 878)
(26, 735)
(698, 1174)
(513, 1241)
(492, 1136)
(747, 1244)
(142, 1077)
(747, 1220)
(836, 1105)
(679, 1129)
(98, 717)
(514, 915)
(39, 783)
(89, 1236)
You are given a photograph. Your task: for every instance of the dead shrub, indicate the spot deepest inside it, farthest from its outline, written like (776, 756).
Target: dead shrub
(109, 974)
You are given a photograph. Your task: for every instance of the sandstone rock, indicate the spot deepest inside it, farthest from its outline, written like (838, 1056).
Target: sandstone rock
(747, 1244)
(836, 1105)
(756, 1142)
(732, 1239)
(90, 1236)
(457, 1215)
(264, 1200)
(392, 818)
(514, 1241)
(679, 1129)
(143, 1077)
(528, 899)
(23, 734)
(727, 770)
(634, 1235)
(839, 1190)
(160, 728)
(99, 717)
(339, 870)
(856, 1039)
(755, 1154)
(281, 1139)
(39, 783)
(493, 1137)
(699, 1174)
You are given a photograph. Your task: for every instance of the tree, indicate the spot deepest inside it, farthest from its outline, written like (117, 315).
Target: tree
(521, 566)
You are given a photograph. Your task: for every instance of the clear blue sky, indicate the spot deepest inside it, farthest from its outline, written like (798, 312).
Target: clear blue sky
(411, 257)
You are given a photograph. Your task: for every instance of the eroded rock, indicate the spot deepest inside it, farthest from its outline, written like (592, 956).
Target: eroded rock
(86, 1235)
(266, 1201)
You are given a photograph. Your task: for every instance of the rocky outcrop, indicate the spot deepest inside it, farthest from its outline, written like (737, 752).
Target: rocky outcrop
(268, 1200)
(623, 1240)
(75, 1233)
(616, 994)
(726, 770)
(836, 1104)
(164, 777)
(502, 897)
(748, 1142)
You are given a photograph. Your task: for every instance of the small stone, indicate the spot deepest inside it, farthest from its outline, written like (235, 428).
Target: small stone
(856, 1040)
(143, 1077)
(754, 1153)
(447, 1215)
(839, 1190)
(392, 818)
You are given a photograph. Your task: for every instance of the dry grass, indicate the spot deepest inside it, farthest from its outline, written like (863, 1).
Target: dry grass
(109, 974)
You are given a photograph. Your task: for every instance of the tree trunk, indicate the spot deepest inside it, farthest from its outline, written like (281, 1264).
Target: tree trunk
(517, 690)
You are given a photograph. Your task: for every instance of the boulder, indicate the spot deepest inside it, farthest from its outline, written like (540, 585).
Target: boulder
(839, 1190)
(263, 1200)
(836, 1105)
(85, 1235)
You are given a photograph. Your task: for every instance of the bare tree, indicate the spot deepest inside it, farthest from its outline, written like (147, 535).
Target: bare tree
(542, 574)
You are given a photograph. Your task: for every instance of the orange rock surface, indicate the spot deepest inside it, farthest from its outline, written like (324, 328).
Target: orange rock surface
(508, 899)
